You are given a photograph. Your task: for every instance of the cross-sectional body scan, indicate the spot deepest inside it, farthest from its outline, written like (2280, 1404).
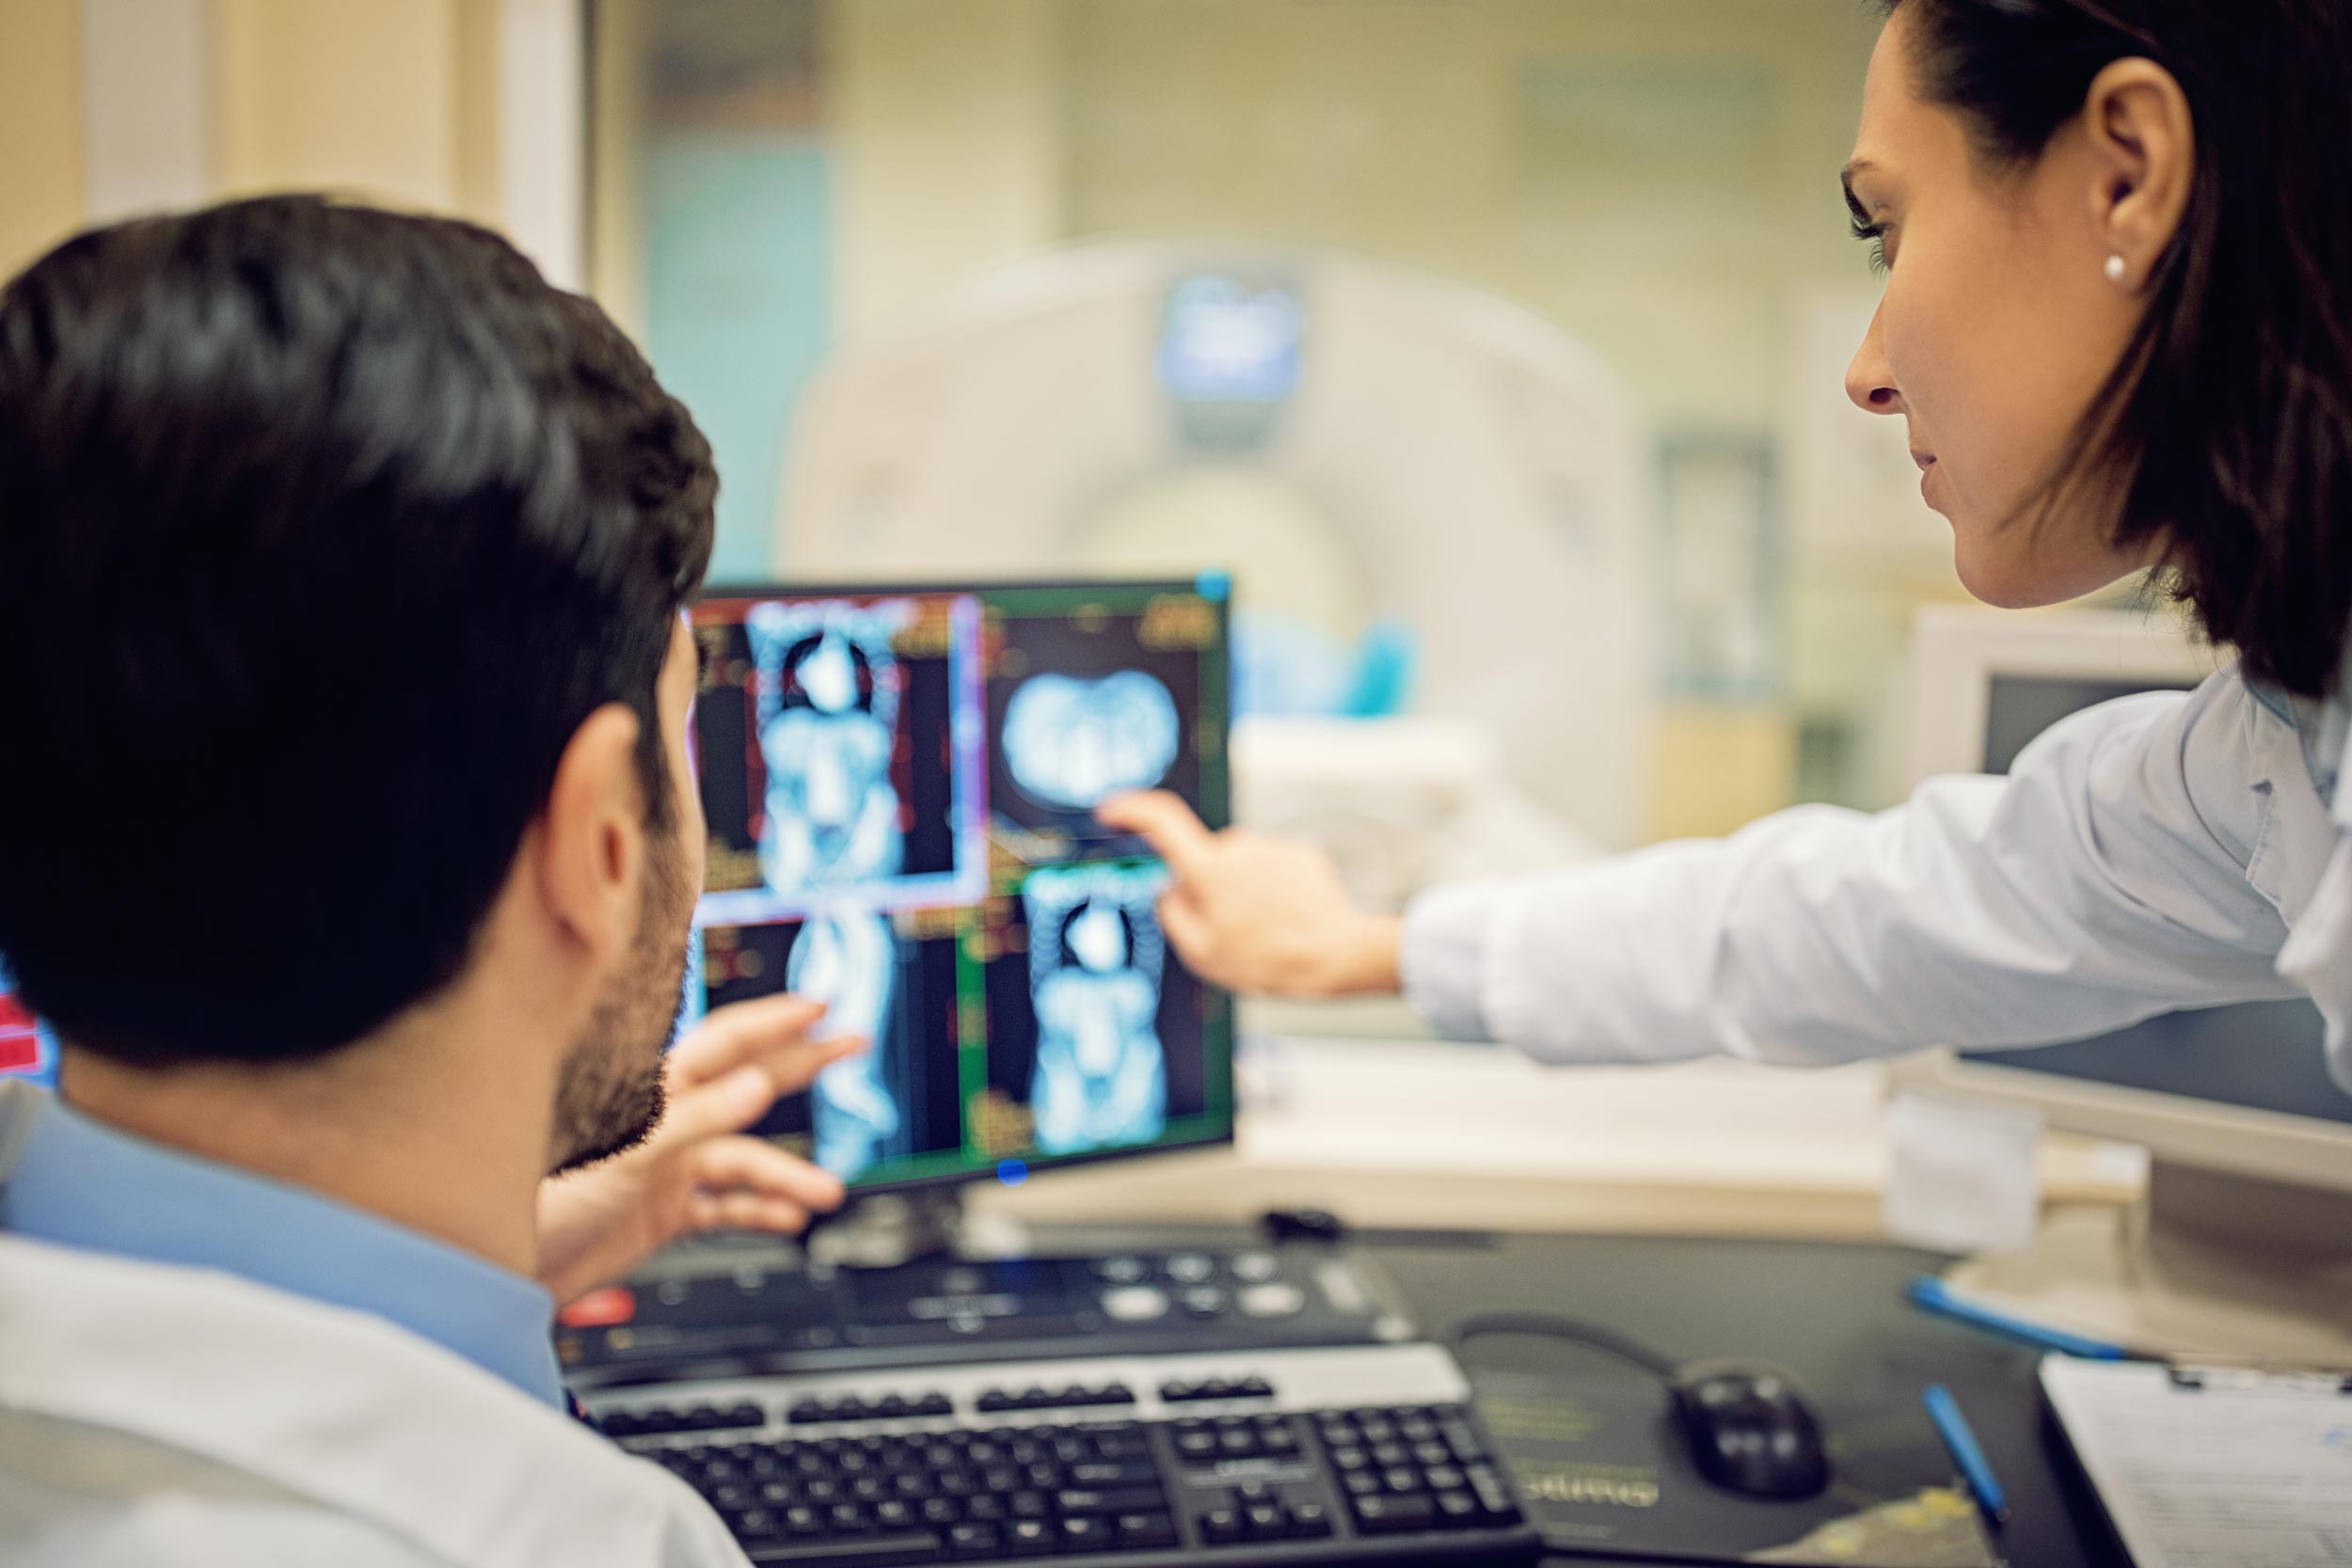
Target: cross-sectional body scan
(848, 963)
(1071, 744)
(827, 706)
(1095, 961)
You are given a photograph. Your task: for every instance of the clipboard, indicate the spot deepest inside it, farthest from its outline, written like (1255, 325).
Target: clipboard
(2212, 1467)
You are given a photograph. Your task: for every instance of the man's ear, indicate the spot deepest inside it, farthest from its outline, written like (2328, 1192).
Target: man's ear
(2143, 144)
(590, 855)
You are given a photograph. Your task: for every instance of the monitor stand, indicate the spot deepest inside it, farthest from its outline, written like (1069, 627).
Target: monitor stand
(886, 1231)
(2205, 1264)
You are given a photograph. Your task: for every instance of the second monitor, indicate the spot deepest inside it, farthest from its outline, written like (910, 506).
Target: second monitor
(899, 786)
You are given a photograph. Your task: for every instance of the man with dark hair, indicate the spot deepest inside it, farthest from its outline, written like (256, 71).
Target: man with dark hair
(348, 838)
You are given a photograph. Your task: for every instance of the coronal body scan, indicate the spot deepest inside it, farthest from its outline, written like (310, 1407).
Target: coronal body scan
(828, 704)
(1095, 960)
(848, 963)
(1071, 744)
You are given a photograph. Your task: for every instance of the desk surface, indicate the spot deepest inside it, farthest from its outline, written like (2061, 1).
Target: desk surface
(1829, 1312)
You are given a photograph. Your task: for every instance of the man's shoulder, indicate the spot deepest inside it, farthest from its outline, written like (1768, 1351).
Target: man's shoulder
(305, 1422)
(101, 1497)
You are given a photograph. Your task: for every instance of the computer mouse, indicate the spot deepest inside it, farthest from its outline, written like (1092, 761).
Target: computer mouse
(1751, 1431)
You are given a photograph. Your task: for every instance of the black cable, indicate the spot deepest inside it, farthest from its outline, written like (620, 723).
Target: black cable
(1552, 1325)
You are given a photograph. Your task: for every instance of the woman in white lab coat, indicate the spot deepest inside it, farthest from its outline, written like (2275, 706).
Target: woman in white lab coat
(2118, 326)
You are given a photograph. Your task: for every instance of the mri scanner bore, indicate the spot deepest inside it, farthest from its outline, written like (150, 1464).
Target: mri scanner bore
(900, 788)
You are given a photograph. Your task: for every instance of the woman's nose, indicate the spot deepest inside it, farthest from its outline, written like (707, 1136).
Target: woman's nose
(1868, 382)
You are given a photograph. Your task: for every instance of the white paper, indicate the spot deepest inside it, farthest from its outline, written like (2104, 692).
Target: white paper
(2249, 1472)
(1963, 1176)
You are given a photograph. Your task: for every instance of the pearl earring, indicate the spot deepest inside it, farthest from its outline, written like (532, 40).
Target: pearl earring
(2115, 269)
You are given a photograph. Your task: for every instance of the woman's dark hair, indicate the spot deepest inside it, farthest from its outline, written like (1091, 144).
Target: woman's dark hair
(2230, 414)
(322, 530)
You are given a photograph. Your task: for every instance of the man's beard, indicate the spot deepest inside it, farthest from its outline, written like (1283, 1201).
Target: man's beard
(611, 1099)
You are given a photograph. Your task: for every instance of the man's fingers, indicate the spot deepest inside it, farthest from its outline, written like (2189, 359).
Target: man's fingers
(733, 1035)
(746, 1212)
(795, 1063)
(733, 1101)
(752, 1164)
(1164, 822)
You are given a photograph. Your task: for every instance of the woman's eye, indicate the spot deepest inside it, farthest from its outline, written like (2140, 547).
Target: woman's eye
(1876, 234)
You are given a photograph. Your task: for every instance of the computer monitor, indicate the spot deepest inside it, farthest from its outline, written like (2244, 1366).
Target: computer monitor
(2243, 1245)
(899, 786)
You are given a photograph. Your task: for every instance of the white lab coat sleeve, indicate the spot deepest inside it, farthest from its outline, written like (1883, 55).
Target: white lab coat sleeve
(2102, 881)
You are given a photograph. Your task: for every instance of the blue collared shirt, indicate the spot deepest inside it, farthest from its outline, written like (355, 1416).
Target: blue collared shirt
(81, 1183)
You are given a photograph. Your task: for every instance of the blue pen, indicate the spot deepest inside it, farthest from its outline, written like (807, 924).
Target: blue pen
(1932, 1293)
(1975, 1468)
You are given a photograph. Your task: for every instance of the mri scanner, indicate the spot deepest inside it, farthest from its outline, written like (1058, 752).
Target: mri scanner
(1383, 459)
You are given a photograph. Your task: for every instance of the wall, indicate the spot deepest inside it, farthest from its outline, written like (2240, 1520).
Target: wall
(113, 106)
(41, 127)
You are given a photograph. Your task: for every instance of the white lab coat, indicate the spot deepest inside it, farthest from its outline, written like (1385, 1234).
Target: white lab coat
(2162, 851)
(175, 1417)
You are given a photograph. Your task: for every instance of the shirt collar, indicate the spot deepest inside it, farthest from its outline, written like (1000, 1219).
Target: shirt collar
(81, 1183)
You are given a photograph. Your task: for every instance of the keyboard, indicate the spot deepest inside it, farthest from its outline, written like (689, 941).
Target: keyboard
(1356, 1454)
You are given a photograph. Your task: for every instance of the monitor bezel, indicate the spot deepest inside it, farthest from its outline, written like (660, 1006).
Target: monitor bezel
(1217, 813)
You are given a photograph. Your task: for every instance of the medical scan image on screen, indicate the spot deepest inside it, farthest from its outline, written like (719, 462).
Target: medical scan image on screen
(1088, 705)
(1099, 1078)
(900, 788)
(888, 979)
(823, 734)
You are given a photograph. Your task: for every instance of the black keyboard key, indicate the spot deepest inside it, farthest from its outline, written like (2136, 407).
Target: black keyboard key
(1222, 1526)
(1462, 1439)
(1459, 1509)
(1493, 1492)
(1311, 1520)
(1254, 1388)
(1129, 1473)
(861, 1551)
(1265, 1521)
(986, 1509)
(1350, 1458)
(755, 1524)
(1145, 1532)
(1024, 1537)
(934, 1405)
(1197, 1444)
(893, 1514)
(945, 1510)
(1028, 1505)
(1392, 1515)
(1444, 1478)
(847, 1519)
(972, 1540)
(1124, 1499)
(804, 1521)
(1401, 1479)
(1362, 1483)
(1085, 1532)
